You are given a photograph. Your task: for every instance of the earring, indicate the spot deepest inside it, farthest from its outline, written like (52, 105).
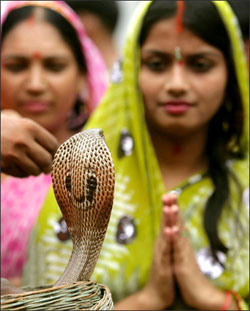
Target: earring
(78, 115)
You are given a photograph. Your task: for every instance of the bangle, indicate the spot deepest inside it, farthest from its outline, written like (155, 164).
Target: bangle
(229, 294)
(237, 298)
(228, 300)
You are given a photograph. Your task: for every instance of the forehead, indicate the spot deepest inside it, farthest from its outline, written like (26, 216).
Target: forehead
(163, 35)
(29, 36)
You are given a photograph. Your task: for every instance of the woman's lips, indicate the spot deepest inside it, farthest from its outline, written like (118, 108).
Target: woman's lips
(35, 106)
(176, 107)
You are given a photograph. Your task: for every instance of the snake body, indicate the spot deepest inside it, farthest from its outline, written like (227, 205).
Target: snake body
(83, 184)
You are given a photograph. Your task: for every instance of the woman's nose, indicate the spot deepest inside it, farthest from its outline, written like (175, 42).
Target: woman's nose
(35, 82)
(177, 83)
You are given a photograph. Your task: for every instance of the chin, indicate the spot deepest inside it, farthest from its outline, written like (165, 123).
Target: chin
(178, 131)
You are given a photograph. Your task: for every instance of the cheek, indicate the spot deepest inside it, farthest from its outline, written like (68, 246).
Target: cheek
(65, 87)
(142, 83)
(212, 92)
(149, 87)
(9, 90)
(216, 97)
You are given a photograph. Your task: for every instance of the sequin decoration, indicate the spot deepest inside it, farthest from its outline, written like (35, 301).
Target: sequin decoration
(126, 230)
(126, 144)
(208, 265)
(116, 75)
(61, 230)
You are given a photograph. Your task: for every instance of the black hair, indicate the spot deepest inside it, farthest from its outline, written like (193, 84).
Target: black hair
(107, 11)
(225, 128)
(67, 32)
(241, 9)
(58, 21)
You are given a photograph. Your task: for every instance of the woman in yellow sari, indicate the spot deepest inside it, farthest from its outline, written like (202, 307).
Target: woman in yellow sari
(175, 118)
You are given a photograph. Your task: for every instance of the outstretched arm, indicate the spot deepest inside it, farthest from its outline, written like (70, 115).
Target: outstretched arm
(26, 147)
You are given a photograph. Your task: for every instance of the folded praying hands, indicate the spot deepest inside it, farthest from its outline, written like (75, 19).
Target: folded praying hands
(174, 263)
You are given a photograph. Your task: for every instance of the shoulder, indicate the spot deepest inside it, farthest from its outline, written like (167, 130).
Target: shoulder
(240, 168)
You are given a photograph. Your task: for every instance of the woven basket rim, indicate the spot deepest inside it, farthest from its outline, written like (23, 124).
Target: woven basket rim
(98, 297)
(51, 288)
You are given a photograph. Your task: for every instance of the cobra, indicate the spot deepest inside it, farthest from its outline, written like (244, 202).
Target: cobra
(83, 181)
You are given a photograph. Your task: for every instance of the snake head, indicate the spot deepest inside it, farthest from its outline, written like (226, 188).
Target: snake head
(83, 176)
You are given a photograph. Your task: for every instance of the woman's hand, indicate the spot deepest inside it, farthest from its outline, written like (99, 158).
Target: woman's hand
(26, 147)
(161, 284)
(196, 290)
(174, 262)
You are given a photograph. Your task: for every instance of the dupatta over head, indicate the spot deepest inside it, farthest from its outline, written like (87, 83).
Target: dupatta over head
(139, 185)
(97, 75)
(22, 199)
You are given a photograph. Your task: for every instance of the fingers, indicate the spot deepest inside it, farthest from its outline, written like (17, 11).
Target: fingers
(28, 166)
(172, 233)
(20, 166)
(163, 243)
(41, 150)
(27, 148)
(171, 216)
(170, 209)
(172, 213)
(13, 170)
(169, 198)
(40, 157)
(44, 138)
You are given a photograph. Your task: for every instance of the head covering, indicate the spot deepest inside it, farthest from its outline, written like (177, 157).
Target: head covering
(22, 199)
(97, 76)
(126, 257)
(122, 107)
(139, 184)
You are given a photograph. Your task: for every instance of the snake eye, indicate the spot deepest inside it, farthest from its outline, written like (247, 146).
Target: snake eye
(92, 183)
(68, 182)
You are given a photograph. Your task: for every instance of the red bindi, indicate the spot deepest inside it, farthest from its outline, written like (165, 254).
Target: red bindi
(31, 21)
(37, 55)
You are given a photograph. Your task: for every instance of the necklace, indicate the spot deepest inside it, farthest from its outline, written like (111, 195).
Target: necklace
(191, 181)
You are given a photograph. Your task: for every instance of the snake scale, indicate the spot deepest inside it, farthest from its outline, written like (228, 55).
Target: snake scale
(83, 181)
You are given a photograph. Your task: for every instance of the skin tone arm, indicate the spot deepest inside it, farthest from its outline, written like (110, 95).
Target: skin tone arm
(27, 148)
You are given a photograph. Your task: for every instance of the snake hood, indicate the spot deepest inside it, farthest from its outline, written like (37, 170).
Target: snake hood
(83, 183)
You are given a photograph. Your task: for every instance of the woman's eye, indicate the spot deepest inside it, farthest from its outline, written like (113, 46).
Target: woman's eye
(16, 67)
(200, 65)
(55, 67)
(156, 65)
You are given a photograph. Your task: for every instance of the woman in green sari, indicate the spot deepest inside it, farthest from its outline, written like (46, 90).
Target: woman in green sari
(175, 118)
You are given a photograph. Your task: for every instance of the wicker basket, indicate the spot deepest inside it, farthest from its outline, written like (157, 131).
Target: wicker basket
(78, 296)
